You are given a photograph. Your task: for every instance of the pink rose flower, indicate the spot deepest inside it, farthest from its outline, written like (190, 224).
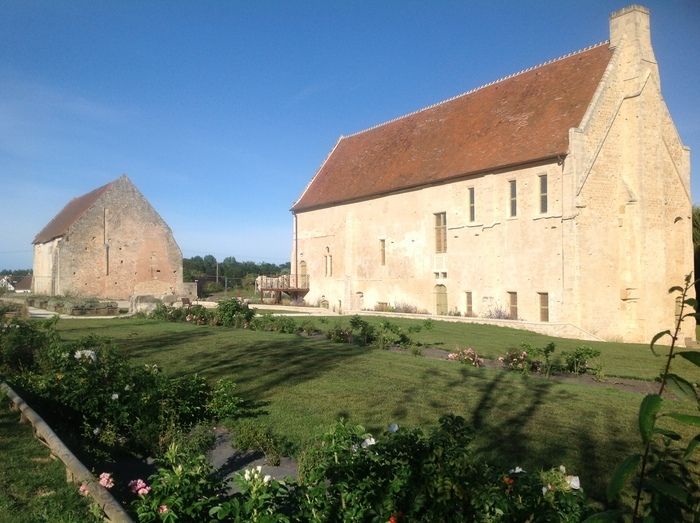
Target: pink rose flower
(83, 490)
(163, 509)
(139, 487)
(106, 480)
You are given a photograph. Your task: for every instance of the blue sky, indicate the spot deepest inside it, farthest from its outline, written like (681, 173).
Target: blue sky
(221, 112)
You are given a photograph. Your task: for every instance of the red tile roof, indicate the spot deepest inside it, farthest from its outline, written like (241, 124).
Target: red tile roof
(69, 215)
(520, 119)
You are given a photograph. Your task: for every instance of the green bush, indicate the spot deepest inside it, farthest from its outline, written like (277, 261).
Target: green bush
(224, 403)
(234, 313)
(577, 361)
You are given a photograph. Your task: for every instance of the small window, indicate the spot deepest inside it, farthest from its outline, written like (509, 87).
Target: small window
(513, 305)
(472, 208)
(470, 307)
(328, 262)
(544, 306)
(513, 198)
(543, 193)
(382, 251)
(440, 232)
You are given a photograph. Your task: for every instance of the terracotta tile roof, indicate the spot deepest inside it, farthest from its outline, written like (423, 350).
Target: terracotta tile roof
(69, 215)
(25, 284)
(523, 118)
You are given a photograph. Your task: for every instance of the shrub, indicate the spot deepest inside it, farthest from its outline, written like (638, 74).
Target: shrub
(308, 327)
(183, 489)
(365, 334)
(22, 341)
(467, 356)
(515, 360)
(224, 403)
(250, 435)
(339, 334)
(198, 315)
(545, 352)
(90, 386)
(234, 313)
(577, 361)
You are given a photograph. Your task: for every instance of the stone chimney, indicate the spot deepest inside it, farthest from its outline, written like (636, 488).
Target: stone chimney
(630, 26)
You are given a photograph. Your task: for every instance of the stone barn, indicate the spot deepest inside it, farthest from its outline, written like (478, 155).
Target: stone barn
(108, 243)
(558, 196)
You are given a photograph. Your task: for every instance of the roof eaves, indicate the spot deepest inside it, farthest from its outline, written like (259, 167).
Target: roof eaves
(552, 156)
(294, 205)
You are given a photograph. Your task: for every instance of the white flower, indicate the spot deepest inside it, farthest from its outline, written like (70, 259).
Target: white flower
(267, 478)
(573, 482)
(368, 442)
(246, 475)
(516, 470)
(544, 490)
(393, 427)
(259, 469)
(115, 396)
(96, 431)
(85, 353)
(562, 469)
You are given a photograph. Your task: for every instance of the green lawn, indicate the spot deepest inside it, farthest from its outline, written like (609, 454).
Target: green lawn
(305, 384)
(33, 487)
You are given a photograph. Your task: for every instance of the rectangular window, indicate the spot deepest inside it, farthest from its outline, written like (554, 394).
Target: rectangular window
(470, 308)
(440, 232)
(328, 260)
(513, 198)
(513, 305)
(543, 193)
(472, 209)
(544, 306)
(382, 251)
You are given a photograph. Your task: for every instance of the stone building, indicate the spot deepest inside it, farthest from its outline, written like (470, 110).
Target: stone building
(108, 243)
(559, 195)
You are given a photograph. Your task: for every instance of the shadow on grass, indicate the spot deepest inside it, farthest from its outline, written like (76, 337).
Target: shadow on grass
(256, 361)
(518, 422)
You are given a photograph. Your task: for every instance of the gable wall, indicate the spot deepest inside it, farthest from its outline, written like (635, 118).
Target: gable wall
(489, 257)
(631, 229)
(141, 258)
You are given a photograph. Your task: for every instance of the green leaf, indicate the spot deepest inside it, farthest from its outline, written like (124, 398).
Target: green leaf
(675, 288)
(621, 475)
(681, 387)
(692, 302)
(668, 433)
(647, 415)
(603, 517)
(667, 489)
(691, 446)
(692, 356)
(685, 418)
(657, 337)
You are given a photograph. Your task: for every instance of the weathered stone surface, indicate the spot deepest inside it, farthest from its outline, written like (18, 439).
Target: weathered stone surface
(117, 247)
(615, 236)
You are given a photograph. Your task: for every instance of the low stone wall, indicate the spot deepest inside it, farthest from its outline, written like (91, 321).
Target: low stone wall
(75, 470)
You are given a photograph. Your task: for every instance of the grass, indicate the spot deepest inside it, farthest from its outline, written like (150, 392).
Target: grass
(33, 486)
(303, 385)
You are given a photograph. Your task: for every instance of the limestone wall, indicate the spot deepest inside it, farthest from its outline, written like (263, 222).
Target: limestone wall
(118, 247)
(489, 257)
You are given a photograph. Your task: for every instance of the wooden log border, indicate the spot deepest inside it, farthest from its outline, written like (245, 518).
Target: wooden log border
(75, 470)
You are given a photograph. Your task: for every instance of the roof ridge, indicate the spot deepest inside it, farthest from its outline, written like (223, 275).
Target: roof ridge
(471, 91)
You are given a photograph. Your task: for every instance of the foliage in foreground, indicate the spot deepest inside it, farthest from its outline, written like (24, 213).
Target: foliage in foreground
(405, 475)
(666, 483)
(89, 386)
